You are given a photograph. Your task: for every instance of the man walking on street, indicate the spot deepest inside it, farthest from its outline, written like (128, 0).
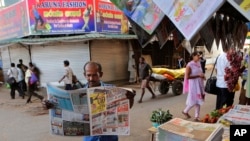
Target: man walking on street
(145, 72)
(67, 77)
(13, 73)
(31, 86)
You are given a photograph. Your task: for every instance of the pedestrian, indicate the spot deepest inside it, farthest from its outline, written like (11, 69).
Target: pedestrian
(20, 79)
(13, 73)
(31, 81)
(224, 96)
(194, 86)
(132, 69)
(24, 87)
(145, 72)
(180, 62)
(243, 99)
(203, 62)
(67, 77)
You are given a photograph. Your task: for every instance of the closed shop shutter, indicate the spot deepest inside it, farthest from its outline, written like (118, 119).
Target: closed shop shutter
(49, 59)
(12, 54)
(19, 52)
(113, 56)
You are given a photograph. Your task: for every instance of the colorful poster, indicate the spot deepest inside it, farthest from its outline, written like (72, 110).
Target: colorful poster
(189, 15)
(243, 6)
(61, 16)
(14, 21)
(109, 18)
(143, 12)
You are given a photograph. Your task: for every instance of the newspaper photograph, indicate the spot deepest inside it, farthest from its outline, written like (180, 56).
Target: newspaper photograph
(93, 111)
(109, 111)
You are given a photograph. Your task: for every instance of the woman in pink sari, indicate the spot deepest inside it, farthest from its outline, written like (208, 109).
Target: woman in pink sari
(194, 86)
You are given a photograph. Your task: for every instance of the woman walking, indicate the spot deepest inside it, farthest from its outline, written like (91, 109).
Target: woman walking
(194, 86)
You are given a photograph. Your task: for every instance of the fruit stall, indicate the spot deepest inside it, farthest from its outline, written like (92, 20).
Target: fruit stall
(226, 116)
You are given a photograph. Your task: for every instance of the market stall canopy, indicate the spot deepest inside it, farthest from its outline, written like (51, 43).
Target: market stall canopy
(192, 20)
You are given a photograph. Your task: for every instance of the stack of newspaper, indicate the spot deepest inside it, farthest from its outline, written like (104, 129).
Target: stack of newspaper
(239, 114)
(178, 130)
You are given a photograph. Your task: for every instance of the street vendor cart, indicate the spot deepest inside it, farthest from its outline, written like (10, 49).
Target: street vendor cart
(168, 78)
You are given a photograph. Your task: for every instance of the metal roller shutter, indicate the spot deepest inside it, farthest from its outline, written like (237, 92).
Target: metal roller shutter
(12, 54)
(113, 55)
(49, 59)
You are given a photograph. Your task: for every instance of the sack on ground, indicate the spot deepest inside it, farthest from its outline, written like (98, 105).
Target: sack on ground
(210, 86)
(11, 80)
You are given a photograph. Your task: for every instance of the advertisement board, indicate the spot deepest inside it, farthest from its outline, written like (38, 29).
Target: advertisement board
(143, 12)
(109, 18)
(61, 16)
(189, 15)
(243, 6)
(14, 21)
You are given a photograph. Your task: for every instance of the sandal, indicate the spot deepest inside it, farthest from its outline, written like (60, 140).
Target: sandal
(197, 120)
(186, 115)
(139, 101)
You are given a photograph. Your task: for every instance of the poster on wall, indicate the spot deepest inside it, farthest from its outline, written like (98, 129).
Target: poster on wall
(143, 12)
(61, 16)
(109, 18)
(14, 21)
(243, 6)
(189, 15)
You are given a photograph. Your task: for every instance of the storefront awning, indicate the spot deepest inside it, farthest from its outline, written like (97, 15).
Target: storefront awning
(76, 38)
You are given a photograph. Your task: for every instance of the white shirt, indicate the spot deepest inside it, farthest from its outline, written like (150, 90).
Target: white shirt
(13, 72)
(27, 75)
(68, 75)
(220, 66)
(20, 75)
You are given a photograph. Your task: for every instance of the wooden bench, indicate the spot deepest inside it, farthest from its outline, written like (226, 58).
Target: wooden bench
(152, 131)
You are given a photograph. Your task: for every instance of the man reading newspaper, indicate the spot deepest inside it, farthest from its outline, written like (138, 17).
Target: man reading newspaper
(93, 73)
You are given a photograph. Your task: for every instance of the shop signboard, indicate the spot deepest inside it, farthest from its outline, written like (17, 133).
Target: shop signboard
(109, 18)
(61, 16)
(143, 12)
(189, 15)
(243, 6)
(14, 21)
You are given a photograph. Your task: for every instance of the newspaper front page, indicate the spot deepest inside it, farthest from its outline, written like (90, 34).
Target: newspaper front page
(92, 111)
(179, 130)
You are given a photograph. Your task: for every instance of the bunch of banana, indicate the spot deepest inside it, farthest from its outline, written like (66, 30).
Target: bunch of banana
(225, 122)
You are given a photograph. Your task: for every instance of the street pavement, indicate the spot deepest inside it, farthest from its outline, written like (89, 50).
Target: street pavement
(29, 122)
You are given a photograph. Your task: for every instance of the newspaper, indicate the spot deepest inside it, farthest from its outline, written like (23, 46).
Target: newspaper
(178, 130)
(239, 115)
(92, 111)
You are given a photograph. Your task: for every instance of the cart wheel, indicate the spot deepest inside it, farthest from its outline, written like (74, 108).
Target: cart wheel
(177, 87)
(163, 87)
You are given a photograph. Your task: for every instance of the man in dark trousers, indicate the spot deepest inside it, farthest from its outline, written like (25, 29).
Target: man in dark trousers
(203, 62)
(145, 72)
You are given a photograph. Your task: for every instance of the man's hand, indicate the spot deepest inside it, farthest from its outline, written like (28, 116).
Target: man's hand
(47, 104)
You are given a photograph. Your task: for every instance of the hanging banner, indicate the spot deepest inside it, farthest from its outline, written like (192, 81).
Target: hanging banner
(14, 21)
(243, 6)
(189, 15)
(109, 18)
(143, 12)
(61, 16)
